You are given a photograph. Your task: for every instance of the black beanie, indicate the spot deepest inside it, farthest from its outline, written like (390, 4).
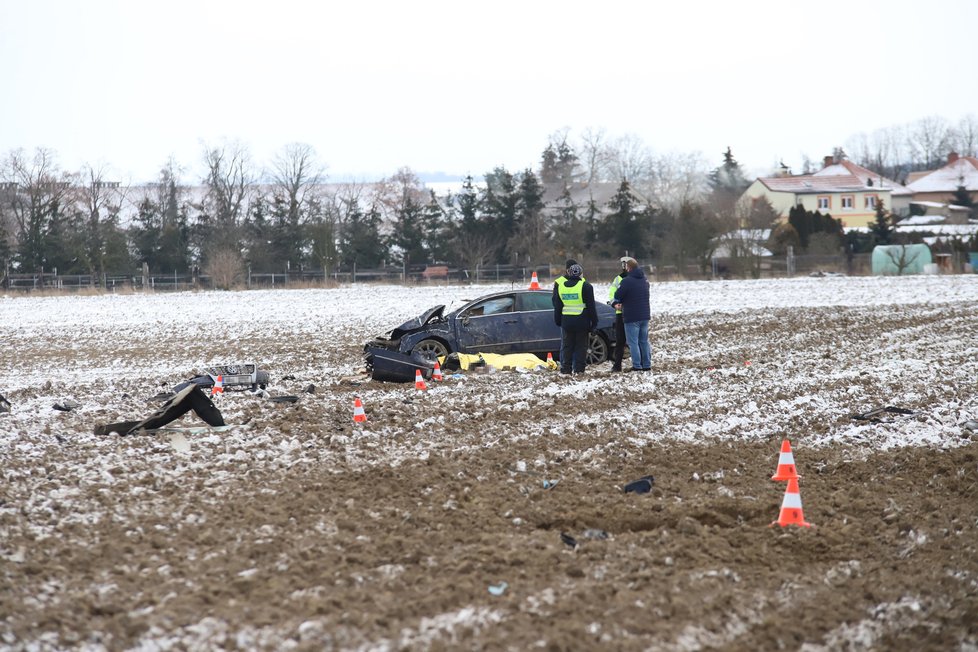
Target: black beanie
(570, 261)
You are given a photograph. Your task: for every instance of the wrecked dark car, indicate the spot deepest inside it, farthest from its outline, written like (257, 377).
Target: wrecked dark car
(517, 321)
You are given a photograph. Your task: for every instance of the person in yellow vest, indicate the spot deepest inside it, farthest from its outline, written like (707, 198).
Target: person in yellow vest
(577, 316)
(619, 353)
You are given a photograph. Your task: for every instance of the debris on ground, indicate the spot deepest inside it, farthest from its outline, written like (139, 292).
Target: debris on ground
(498, 589)
(641, 486)
(873, 416)
(190, 398)
(232, 376)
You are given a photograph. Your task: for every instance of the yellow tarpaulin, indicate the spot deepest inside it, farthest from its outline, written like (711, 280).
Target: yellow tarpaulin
(499, 361)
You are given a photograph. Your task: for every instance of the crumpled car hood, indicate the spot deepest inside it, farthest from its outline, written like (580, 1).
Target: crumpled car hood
(426, 317)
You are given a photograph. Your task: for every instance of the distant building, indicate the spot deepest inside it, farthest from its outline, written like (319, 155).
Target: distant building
(844, 190)
(937, 187)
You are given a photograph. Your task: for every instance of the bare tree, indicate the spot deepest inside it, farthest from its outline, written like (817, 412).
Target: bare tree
(677, 178)
(965, 140)
(880, 151)
(229, 185)
(593, 154)
(297, 191)
(901, 256)
(225, 268)
(37, 191)
(101, 202)
(629, 159)
(297, 176)
(927, 141)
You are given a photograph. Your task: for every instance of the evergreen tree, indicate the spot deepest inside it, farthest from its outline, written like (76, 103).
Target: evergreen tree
(962, 197)
(800, 220)
(264, 253)
(360, 241)
(570, 229)
(472, 235)
(808, 223)
(549, 166)
(881, 229)
(322, 233)
(728, 180)
(62, 243)
(434, 229)
(567, 161)
(499, 207)
(529, 243)
(408, 233)
(727, 183)
(627, 223)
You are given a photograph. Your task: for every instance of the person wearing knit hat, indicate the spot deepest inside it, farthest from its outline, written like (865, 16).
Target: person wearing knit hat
(576, 314)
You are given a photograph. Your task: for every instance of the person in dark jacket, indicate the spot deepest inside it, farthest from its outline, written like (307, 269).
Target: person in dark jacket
(619, 324)
(577, 316)
(633, 298)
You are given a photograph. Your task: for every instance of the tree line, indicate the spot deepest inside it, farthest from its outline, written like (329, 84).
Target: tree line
(591, 197)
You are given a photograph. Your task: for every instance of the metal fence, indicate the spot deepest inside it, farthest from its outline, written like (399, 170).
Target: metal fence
(598, 271)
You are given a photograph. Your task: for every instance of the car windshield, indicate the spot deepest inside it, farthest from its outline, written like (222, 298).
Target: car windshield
(491, 306)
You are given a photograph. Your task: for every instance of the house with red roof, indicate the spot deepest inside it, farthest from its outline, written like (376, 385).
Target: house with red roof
(842, 189)
(937, 188)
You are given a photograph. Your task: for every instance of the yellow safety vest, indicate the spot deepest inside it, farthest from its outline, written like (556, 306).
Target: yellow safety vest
(614, 288)
(573, 297)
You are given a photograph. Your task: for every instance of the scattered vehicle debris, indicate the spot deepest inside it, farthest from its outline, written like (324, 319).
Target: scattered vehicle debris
(189, 398)
(498, 589)
(641, 486)
(873, 415)
(4, 404)
(595, 534)
(568, 540)
(395, 367)
(517, 321)
(284, 399)
(66, 406)
(234, 377)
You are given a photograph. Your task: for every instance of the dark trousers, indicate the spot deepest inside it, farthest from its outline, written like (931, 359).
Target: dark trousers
(619, 353)
(573, 350)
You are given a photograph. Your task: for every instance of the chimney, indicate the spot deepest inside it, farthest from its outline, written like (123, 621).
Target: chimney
(952, 157)
(827, 161)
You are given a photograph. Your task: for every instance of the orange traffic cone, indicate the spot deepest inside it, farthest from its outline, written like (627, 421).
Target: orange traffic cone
(550, 357)
(358, 414)
(534, 283)
(419, 381)
(436, 374)
(218, 387)
(791, 513)
(786, 464)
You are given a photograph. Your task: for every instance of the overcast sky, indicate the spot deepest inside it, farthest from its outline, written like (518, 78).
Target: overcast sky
(464, 87)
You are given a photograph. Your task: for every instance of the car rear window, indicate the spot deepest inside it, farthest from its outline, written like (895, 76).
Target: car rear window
(536, 301)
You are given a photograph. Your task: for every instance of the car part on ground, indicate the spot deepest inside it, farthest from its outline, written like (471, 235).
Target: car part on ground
(189, 398)
(233, 377)
(395, 367)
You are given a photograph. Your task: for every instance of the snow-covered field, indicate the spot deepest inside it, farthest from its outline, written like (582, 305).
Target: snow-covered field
(298, 529)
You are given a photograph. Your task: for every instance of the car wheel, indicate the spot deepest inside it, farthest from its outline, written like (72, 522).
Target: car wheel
(597, 349)
(430, 349)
